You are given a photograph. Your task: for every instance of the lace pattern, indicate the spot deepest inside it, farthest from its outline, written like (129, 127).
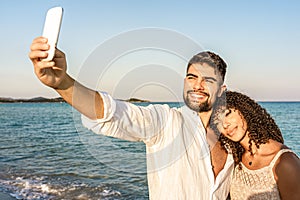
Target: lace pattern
(255, 184)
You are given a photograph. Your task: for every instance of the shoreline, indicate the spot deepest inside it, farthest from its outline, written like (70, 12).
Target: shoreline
(57, 100)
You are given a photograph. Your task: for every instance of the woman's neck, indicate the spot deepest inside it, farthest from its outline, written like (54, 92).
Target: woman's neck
(245, 141)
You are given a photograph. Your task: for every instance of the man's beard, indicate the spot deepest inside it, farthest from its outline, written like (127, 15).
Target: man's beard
(202, 107)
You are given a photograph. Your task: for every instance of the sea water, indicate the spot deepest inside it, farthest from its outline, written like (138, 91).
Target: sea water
(45, 153)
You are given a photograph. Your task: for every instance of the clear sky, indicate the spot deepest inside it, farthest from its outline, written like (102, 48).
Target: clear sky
(259, 40)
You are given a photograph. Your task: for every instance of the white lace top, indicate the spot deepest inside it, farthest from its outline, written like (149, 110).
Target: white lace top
(257, 184)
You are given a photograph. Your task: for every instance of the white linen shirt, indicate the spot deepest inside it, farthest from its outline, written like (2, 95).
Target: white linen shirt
(178, 156)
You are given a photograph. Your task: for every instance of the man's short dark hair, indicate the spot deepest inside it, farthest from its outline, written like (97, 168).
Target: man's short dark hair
(211, 59)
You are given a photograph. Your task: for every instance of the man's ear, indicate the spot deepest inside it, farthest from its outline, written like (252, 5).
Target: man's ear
(223, 88)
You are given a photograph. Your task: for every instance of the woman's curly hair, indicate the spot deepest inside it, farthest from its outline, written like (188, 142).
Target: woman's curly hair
(260, 125)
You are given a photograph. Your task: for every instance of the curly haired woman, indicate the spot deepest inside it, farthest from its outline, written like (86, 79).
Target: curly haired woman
(264, 167)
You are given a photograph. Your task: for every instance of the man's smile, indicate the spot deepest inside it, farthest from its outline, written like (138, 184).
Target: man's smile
(197, 96)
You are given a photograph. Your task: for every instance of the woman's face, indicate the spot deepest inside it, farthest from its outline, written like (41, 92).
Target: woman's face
(232, 124)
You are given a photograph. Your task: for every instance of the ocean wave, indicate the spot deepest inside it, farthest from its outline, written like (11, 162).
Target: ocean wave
(41, 188)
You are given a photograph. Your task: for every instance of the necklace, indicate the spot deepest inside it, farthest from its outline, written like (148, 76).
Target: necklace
(252, 155)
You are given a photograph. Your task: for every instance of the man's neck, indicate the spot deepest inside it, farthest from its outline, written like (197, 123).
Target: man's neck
(205, 117)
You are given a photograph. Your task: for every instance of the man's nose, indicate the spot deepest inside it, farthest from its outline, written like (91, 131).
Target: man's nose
(199, 84)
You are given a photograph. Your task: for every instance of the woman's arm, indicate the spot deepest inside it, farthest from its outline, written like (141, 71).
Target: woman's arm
(287, 176)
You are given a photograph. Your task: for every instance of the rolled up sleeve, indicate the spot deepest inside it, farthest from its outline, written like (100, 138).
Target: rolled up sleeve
(127, 121)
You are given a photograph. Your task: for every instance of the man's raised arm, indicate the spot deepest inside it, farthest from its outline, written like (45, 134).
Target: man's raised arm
(53, 74)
